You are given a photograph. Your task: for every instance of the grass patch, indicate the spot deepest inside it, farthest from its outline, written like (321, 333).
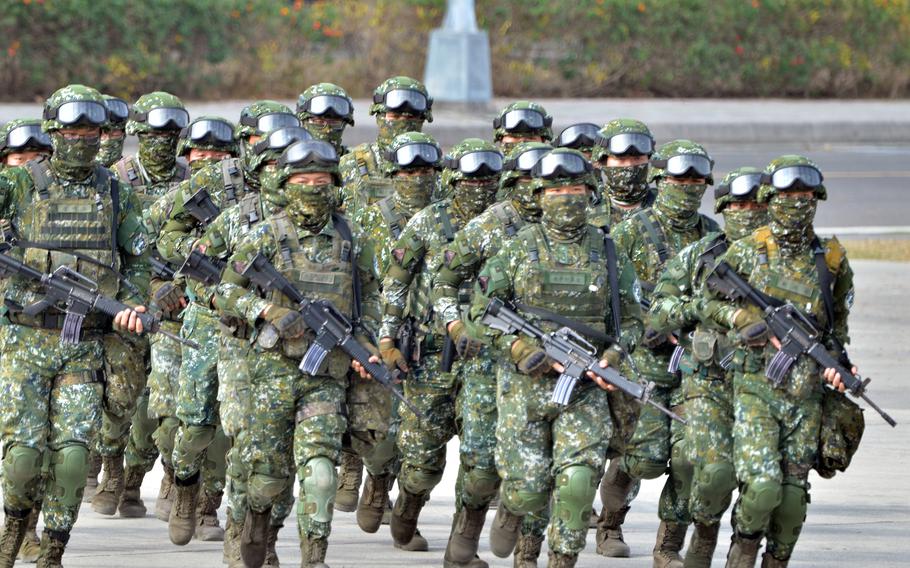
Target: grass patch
(895, 249)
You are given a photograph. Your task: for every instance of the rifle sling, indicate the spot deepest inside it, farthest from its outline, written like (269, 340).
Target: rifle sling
(344, 230)
(576, 326)
(613, 278)
(825, 280)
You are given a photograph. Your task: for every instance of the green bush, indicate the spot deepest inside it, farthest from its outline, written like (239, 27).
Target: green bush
(540, 48)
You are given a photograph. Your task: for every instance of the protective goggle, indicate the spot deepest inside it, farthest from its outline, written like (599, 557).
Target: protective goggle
(118, 108)
(787, 176)
(415, 155)
(213, 131)
(526, 160)
(558, 164)
(582, 135)
(741, 186)
(25, 136)
(522, 120)
(332, 106)
(627, 143)
(685, 165)
(271, 121)
(308, 152)
(74, 112)
(404, 100)
(163, 117)
(281, 139)
(484, 163)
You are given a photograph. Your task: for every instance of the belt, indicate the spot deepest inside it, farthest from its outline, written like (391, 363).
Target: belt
(54, 321)
(84, 378)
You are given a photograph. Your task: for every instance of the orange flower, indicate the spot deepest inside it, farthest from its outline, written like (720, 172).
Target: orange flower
(641, 6)
(284, 11)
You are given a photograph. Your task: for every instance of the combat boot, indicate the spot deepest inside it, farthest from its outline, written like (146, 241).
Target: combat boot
(254, 541)
(52, 546)
(404, 516)
(560, 560)
(373, 502)
(182, 523)
(610, 541)
(13, 534)
(232, 534)
(312, 552)
(475, 562)
(91, 479)
(207, 527)
(271, 555)
(350, 475)
(465, 538)
(743, 551)
(702, 545)
(504, 532)
(670, 540)
(166, 494)
(107, 497)
(31, 544)
(768, 561)
(527, 551)
(131, 505)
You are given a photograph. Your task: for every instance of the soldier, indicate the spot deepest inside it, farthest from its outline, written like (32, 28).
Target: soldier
(706, 384)
(581, 136)
(23, 140)
(440, 391)
(293, 415)
(325, 110)
(521, 121)
(554, 269)
(776, 429)
(113, 134)
(650, 238)
(480, 239)
(400, 104)
(52, 389)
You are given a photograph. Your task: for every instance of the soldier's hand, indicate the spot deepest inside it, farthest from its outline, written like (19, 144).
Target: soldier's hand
(128, 320)
(600, 382)
(833, 377)
(391, 355)
(466, 345)
(530, 359)
(361, 370)
(287, 322)
(751, 327)
(169, 297)
(652, 339)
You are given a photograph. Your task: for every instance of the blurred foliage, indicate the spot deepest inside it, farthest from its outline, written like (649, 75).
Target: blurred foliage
(540, 48)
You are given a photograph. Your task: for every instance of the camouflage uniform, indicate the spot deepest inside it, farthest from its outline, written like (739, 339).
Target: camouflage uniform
(112, 148)
(53, 389)
(523, 130)
(328, 125)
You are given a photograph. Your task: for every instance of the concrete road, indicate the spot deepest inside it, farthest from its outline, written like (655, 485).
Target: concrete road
(859, 518)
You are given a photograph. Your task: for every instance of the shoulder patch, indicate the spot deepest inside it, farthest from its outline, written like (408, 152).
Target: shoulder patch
(834, 254)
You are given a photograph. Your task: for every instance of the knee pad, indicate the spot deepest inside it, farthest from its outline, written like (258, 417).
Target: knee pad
(22, 465)
(262, 489)
(575, 489)
(418, 481)
(714, 484)
(787, 520)
(758, 501)
(643, 469)
(195, 439)
(70, 466)
(317, 479)
(479, 487)
(521, 502)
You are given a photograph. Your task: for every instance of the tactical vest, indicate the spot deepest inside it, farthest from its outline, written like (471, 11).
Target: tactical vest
(653, 230)
(393, 219)
(577, 290)
(233, 182)
(506, 213)
(129, 170)
(709, 346)
(375, 185)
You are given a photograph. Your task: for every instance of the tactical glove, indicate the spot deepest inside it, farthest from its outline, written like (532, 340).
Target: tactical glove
(391, 355)
(288, 323)
(466, 345)
(751, 327)
(529, 359)
(652, 339)
(168, 297)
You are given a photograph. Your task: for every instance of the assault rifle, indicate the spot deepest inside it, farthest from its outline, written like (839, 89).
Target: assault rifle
(81, 296)
(201, 206)
(205, 269)
(161, 268)
(573, 352)
(332, 328)
(798, 335)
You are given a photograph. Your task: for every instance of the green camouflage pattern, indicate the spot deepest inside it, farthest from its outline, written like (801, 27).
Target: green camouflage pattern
(363, 173)
(147, 102)
(676, 148)
(767, 190)
(186, 144)
(330, 89)
(255, 110)
(466, 146)
(400, 82)
(69, 93)
(546, 132)
(618, 126)
(607, 213)
(124, 365)
(721, 203)
(16, 123)
(112, 122)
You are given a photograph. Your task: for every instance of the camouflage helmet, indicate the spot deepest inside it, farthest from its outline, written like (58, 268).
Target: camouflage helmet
(251, 114)
(422, 155)
(118, 112)
(310, 156)
(511, 120)
(581, 136)
(487, 161)
(412, 103)
(92, 109)
(335, 98)
(785, 171)
(514, 167)
(28, 137)
(681, 157)
(208, 133)
(144, 118)
(742, 184)
(273, 143)
(641, 139)
(561, 167)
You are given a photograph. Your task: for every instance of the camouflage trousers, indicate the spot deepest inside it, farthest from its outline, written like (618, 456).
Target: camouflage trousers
(373, 423)
(538, 441)
(775, 444)
(51, 400)
(124, 369)
(161, 406)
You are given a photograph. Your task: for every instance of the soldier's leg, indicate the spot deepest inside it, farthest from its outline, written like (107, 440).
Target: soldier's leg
(673, 509)
(140, 455)
(214, 469)
(166, 356)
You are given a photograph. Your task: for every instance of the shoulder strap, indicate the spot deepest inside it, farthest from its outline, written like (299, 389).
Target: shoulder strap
(613, 279)
(826, 280)
(39, 171)
(500, 210)
(444, 221)
(182, 172)
(103, 180)
(126, 168)
(393, 219)
(248, 213)
(230, 171)
(344, 231)
(655, 233)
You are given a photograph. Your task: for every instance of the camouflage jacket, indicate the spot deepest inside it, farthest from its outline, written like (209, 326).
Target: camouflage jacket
(605, 213)
(362, 164)
(381, 229)
(131, 174)
(13, 179)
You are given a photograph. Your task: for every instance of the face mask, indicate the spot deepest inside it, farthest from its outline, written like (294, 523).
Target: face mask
(389, 129)
(326, 132)
(74, 158)
(111, 151)
(680, 202)
(791, 220)
(473, 196)
(741, 222)
(200, 163)
(526, 200)
(158, 155)
(413, 193)
(627, 184)
(564, 216)
(310, 205)
(270, 178)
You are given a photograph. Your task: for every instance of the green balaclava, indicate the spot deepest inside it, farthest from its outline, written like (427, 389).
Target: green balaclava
(564, 217)
(679, 202)
(326, 101)
(157, 145)
(740, 186)
(112, 148)
(516, 182)
(310, 205)
(412, 192)
(626, 185)
(415, 118)
(247, 127)
(74, 159)
(790, 217)
(472, 171)
(510, 123)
